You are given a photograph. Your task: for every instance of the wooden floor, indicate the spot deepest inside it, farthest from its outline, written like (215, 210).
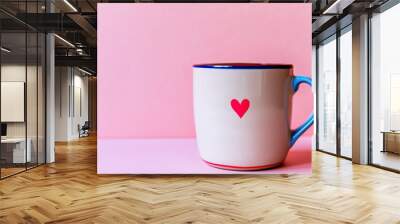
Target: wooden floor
(5, 172)
(387, 159)
(70, 191)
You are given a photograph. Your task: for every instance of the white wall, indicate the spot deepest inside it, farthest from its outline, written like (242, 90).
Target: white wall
(71, 102)
(62, 82)
(80, 103)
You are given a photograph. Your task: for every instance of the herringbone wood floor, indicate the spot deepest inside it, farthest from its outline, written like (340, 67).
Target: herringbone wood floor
(70, 191)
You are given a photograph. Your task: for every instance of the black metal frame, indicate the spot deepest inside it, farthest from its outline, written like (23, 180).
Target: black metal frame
(369, 90)
(44, 70)
(338, 98)
(316, 97)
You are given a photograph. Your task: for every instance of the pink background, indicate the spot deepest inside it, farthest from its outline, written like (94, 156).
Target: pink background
(145, 54)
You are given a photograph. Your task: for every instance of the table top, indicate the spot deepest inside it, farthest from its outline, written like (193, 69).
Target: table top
(391, 132)
(180, 156)
(14, 140)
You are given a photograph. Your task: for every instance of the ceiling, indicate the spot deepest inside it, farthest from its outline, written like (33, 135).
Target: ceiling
(75, 22)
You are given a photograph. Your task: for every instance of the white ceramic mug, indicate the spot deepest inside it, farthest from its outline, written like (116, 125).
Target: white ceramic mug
(242, 114)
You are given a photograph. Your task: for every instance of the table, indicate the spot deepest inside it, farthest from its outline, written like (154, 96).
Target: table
(13, 150)
(391, 141)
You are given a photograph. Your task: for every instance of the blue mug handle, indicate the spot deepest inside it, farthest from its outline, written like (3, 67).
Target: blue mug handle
(296, 133)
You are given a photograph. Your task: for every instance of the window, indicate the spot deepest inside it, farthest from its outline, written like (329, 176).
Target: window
(346, 95)
(327, 96)
(385, 89)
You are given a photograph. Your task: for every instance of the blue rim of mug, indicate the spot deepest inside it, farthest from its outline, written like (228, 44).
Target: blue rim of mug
(244, 66)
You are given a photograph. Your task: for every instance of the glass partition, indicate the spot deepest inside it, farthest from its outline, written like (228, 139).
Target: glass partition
(385, 89)
(14, 153)
(32, 95)
(22, 101)
(346, 93)
(327, 96)
(41, 97)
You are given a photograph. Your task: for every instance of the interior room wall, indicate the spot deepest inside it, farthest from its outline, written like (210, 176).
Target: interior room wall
(80, 109)
(62, 80)
(16, 72)
(71, 102)
(31, 127)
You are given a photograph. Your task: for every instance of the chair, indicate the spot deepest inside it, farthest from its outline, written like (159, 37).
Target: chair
(84, 130)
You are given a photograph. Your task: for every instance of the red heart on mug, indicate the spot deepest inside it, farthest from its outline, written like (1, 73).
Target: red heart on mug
(240, 108)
